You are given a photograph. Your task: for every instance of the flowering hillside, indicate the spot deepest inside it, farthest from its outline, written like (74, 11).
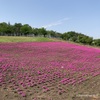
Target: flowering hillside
(49, 71)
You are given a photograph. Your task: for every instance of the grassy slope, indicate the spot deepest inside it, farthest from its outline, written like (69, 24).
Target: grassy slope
(8, 39)
(25, 39)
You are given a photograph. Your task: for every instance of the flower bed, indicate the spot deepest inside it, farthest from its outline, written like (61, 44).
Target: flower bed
(44, 67)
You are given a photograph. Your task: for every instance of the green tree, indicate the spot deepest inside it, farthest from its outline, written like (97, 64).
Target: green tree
(96, 42)
(72, 36)
(9, 29)
(35, 31)
(17, 28)
(89, 40)
(51, 33)
(43, 31)
(26, 29)
(3, 28)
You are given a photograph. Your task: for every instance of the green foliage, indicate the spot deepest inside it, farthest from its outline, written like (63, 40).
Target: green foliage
(54, 34)
(3, 28)
(35, 31)
(77, 37)
(72, 36)
(96, 42)
(17, 29)
(43, 31)
(26, 29)
(6, 29)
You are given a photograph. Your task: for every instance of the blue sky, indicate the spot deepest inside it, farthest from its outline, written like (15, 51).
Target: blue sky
(59, 15)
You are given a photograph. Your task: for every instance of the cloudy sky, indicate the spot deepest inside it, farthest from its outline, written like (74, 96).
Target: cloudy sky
(59, 15)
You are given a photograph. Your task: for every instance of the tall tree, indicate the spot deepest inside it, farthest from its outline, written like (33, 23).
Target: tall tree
(3, 28)
(35, 31)
(26, 29)
(43, 31)
(17, 27)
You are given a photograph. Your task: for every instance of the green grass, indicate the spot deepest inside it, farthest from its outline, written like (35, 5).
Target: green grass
(8, 39)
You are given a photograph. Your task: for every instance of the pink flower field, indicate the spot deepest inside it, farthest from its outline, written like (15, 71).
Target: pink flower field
(49, 71)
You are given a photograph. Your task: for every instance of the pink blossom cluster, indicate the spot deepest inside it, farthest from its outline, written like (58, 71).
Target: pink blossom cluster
(46, 65)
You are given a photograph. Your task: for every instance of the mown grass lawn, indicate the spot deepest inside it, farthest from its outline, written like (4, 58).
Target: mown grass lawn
(25, 39)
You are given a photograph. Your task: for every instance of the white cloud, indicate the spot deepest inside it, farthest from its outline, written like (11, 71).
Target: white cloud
(61, 21)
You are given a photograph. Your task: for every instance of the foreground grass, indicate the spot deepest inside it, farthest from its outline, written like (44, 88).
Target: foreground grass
(25, 39)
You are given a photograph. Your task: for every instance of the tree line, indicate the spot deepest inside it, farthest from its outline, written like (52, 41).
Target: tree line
(6, 29)
(19, 29)
(80, 38)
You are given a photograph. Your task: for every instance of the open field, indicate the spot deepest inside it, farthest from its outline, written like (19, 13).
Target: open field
(4, 39)
(49, 71)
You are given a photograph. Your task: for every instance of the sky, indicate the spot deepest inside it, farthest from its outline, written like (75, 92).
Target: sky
(81, 16)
